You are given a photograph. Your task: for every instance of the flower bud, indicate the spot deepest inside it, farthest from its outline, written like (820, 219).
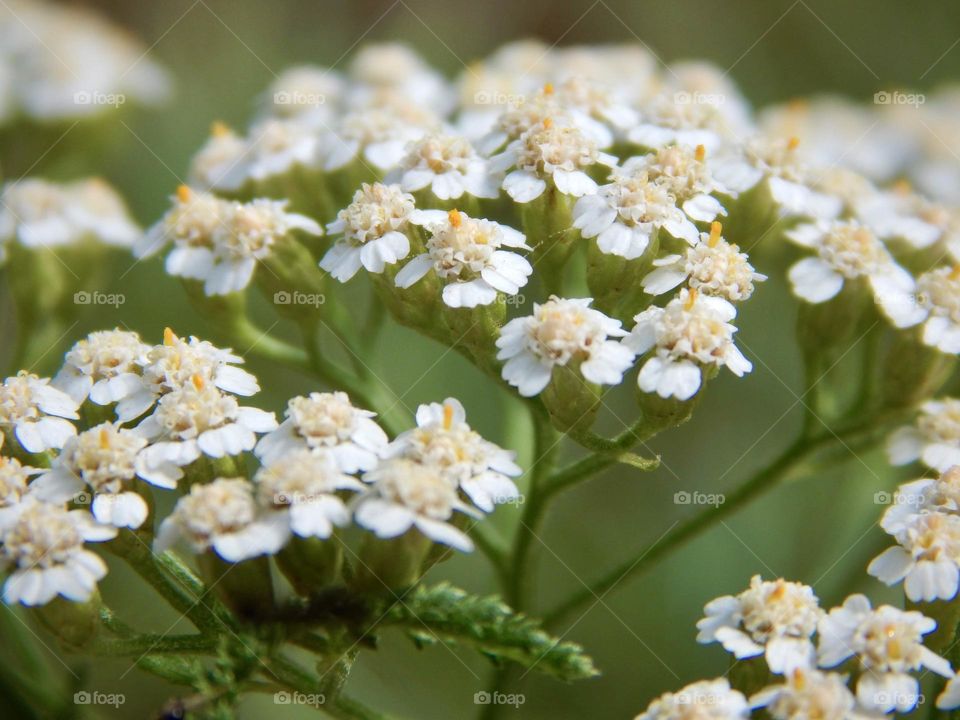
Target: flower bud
(310, 563)
(571, 401)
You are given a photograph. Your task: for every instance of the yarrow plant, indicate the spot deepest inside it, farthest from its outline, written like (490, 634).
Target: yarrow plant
(594, 242)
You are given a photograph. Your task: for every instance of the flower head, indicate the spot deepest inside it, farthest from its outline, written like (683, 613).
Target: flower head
(808, 693)
(409, 495)
(774, 618)
(103, 366)
(934, 438)
(36, 413)
(373, 228)
(692, 332)
(327, 422)
(562, 332)
(926, 558)
(223, 515)
(44, 546)
(444, 440)
(467, 254)
(446, 164)
(703, 700)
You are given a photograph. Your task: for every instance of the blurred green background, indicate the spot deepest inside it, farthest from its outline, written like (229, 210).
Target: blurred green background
(223, 53)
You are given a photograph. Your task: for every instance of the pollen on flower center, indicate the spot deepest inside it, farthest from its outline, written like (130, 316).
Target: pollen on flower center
(463, 245)
(638, 200)
(43, 535)
(551, 146)
(779, 608)
(376, 209)
(13, 481)
(323, 418)
(16, 399)
(222, 506)
(852, 249)
(194, 408)
(939, 291)
(418, 487)
(104, 456)
(942, 425)
(887, 643)
(563, 332)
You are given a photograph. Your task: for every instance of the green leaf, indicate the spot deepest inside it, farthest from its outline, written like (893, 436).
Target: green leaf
(448, 614)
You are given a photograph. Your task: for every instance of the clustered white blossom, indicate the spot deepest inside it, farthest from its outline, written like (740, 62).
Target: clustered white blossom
(326, 464)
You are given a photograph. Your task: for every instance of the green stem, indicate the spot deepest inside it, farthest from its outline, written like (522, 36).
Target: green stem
(155, 645)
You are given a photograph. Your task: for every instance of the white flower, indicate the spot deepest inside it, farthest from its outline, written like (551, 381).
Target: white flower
(809, 693)
(36, 413)
(306, 92)
(190, 225)
(691, 332)
(409, 495)
(888, 644)
(665, 121)
(773, 618)
(38, 213)
(713, 266)
(940, 495)
(895, 214)
(846, 250)
(104, 459)
(275, 147)
(448, 165)
(398, 69)
(949, 699)
(223, 515)
(938, 295)
(934, 438)
(218, 165)
(176, 363)
(788, 179)
(327, 422)
(304, 483)
(467, 253)
(103, 366)
(245, 236)
(703, 700)
(14, 478)
(562, 332)
(624, 214)
(553, 151)
(374, 228)
(193, 420)
(444, 440)
(44, 544)
(683, 170)
(926, 558)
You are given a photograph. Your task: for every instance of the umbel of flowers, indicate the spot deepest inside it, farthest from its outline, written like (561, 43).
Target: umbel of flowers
(589, 239)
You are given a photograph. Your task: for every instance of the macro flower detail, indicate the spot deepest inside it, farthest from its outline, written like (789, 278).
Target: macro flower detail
(925, 559)
(43, 546)
(772, 618)
(327, 422)
(193, 420)
(444, 440)
(888, 644)
(562, 332)
(407, 495)
(713, 266)
(448, 166)
(305, 484)
(706, 699)
(36, 413)
(223, 516)
(846, 251)
(103, 366)
(938, 295)
(468, 255)
(808, 693)
(693, 332)
(554, 151)
(684, 172)
(624, 214)
(189, 225)
(103, 459)
(373, 229)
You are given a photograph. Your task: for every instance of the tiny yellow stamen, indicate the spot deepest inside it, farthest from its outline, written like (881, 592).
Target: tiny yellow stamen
(184, 193)
(700, 153)
(691, 299)
(547, 123)
(902, 187)
(219, 129)
(793, 143)
(104, 438)
(715, 229)
(548, 89)
(198, 381)
(955, 273)
(455, 217)
(447, 417)
(169, 338)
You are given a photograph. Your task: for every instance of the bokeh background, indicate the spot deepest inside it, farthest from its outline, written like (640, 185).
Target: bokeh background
(819, 529)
